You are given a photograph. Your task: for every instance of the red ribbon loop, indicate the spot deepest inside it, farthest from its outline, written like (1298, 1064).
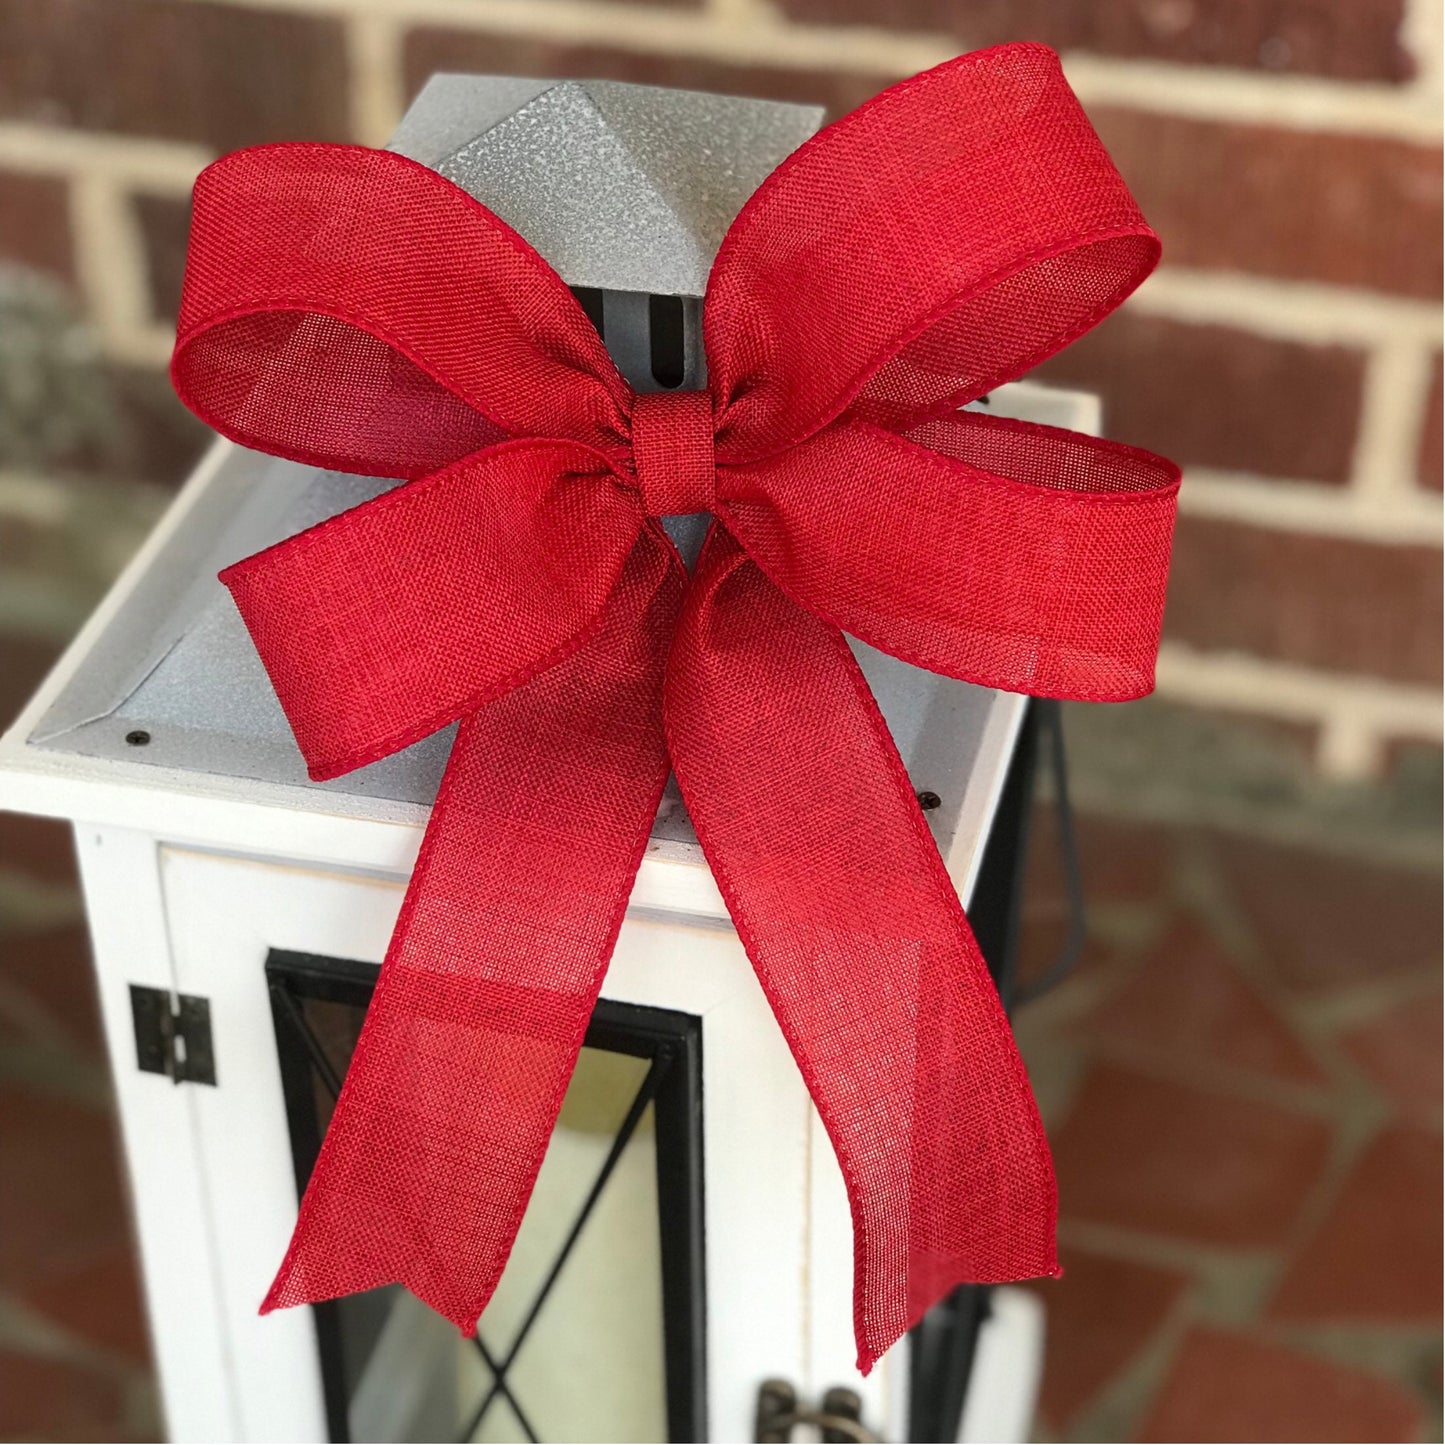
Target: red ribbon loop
(941, 240)
(351, 309)
(1000, 552)
(382, 625)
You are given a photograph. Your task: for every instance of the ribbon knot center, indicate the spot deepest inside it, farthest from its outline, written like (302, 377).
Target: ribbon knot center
(672, 452)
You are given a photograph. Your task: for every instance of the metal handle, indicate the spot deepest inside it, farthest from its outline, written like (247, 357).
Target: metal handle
(779, 1414)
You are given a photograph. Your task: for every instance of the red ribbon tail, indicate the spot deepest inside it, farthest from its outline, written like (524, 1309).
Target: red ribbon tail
(487, 989)
(842, 901)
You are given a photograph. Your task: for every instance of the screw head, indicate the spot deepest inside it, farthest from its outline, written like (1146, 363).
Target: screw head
(138, 738)
(928, 801)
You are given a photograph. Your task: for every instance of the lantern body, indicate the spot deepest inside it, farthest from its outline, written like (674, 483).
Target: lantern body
(226, 889)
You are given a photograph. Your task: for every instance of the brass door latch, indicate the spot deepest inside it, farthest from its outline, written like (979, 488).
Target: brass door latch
(838, 1420)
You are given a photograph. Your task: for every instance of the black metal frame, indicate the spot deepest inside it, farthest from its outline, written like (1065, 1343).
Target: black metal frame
(670, 1040)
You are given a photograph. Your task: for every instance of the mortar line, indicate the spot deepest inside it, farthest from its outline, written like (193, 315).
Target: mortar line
(374, 64)
(1392, 419)
(1397, 517)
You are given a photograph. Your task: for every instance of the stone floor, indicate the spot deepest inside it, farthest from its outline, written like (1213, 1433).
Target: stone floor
(1241, 1081)
(1242, 1085)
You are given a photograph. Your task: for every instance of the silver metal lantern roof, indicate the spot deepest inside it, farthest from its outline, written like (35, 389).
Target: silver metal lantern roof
(620, 187)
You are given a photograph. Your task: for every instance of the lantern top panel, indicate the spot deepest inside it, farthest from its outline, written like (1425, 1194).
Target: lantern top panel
(619, 187)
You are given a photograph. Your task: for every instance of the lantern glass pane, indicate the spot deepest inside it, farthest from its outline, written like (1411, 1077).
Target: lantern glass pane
(595, 1330)
(593, 1361)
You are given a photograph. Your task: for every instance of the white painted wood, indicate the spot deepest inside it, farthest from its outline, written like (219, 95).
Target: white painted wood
(225, 915)
(174, 1224)
(227, 912)
(983, 790)
(349, 830)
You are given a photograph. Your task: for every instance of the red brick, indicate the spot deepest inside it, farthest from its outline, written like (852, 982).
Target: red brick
(1291, 744)
(1430, 438)
(1124, 861)
(1319, 601)
(24, 661)
(165, 227)
(35, 223)
(96, 419)
(1400, 1052)
(1209, 396)
(40, 847)
(23, 541)
(1308, 205)
(1350, 210)
(1358, 41)
(1044, 935)
(162, 440)
(61, 1202)
(1240, 1387)
(1187, 1003)
(99, 1301)
(1137, 1152)
(1414, 770)
(1376, 1259)
(45, 1399)
(1324, 921)
(1215, 747)
(1100, 1316)
(51, 973)
(1121, 862)
(223, 76)
(80, 412)
(428, 50)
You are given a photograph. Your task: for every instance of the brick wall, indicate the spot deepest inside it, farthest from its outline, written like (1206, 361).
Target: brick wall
(1288, 352)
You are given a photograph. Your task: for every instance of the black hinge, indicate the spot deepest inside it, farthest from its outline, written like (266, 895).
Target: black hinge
(173, 1035)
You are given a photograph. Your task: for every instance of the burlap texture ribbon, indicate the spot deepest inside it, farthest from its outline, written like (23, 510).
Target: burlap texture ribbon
(351, 309)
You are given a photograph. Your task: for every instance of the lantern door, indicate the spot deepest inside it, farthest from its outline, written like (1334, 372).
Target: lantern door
(688, 1238)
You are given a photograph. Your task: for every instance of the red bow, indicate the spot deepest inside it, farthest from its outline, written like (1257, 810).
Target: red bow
(351, 309)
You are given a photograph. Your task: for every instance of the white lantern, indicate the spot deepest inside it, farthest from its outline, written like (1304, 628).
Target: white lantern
(684, 1270)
